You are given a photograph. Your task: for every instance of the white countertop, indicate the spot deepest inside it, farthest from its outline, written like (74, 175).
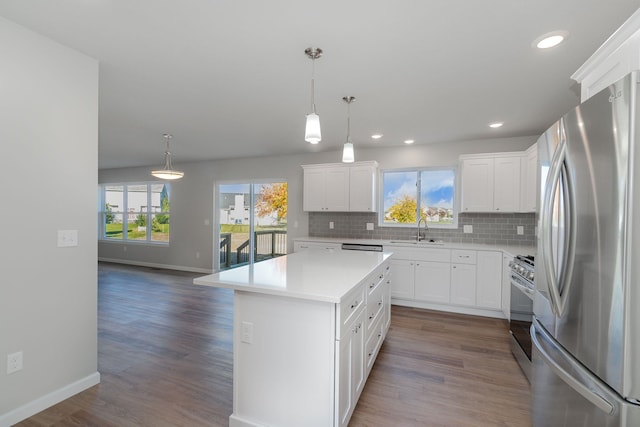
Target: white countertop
(509, 249)
(319, 275)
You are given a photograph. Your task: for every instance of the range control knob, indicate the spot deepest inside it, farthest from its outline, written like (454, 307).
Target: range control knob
(531, 276)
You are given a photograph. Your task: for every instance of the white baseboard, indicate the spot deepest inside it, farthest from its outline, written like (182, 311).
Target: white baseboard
(156, 265)
(448, 308)
(40, 404)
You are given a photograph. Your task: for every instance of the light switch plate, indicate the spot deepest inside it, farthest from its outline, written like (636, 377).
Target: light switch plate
(330, 225)
(467, 229)
(520, 230)
(67, 238)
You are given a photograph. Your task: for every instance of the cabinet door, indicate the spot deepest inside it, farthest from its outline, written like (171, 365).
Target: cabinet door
(362, 188)
(314, 187)
(506, 195)
(477, 185)
(463, 284)
(432, 281)
(506, 286)
(351, 368)
(489, 280)
(529, 180)
(337, 189)
(402, 282)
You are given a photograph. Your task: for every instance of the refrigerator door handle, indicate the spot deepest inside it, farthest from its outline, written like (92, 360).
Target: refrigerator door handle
(558, 175)
(585, 391)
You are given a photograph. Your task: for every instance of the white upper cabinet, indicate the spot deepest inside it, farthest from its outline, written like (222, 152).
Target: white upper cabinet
(506, 184)
(477, 185)
(336, 187)
(362, 187)
(616, 58)
(499, 182)
(491, 182)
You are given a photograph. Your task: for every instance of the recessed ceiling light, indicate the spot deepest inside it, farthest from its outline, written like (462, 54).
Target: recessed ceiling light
(552, 39)
(496, 125)
(409, 141)
(376, 136)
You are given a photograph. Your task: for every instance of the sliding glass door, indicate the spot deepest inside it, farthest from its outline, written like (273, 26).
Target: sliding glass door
(252, 218)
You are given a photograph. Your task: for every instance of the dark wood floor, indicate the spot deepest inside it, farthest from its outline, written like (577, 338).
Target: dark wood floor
(165, 358)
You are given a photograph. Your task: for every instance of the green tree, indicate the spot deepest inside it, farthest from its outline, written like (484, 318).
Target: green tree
(404, 210)
(163, 218)
(108, 217)
(141, 220)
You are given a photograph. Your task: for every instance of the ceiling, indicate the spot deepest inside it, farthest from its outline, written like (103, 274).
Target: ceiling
(230, 78)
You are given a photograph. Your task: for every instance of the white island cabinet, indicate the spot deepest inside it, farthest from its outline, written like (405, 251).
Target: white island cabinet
(307, 328)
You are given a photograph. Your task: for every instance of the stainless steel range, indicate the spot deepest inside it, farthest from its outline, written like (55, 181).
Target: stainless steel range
(521, 312)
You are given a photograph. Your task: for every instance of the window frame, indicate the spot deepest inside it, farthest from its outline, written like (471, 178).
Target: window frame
(126, 213)
(418, 171)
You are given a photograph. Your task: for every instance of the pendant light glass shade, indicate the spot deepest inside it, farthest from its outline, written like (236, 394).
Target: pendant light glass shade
(167, 172)
(348, 154)
(312, 129)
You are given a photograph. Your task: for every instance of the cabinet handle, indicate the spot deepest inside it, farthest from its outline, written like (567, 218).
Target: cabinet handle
(371, 286)
(371, 317)
(381, 276)
(463, 256)
(355, 304)
(380, 303)
(388, 267)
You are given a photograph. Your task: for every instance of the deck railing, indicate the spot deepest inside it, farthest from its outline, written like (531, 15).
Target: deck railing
(268, 244)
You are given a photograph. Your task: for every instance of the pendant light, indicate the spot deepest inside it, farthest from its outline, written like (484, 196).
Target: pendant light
(168, 172)
(312, 129)
(348, 156)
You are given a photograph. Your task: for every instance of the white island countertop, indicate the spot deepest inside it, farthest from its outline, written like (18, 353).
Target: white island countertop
(318, 275)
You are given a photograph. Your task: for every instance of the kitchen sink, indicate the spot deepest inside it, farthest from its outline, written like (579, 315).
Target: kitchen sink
(428, 242)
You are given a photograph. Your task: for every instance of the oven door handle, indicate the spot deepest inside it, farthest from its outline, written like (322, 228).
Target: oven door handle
(527, 291)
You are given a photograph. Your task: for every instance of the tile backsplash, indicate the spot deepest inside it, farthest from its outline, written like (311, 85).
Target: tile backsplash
(488, 228)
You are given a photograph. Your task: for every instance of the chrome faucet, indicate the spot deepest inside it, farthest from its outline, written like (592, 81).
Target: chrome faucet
(419, 236)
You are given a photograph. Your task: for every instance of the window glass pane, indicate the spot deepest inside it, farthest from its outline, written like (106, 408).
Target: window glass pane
(160, 207)
(114, 226)
(233, 204)
(137, 198)
(113, 203)
(270, 220)
(400, 197)
(437, 196)
(137, 229)
(160, 227)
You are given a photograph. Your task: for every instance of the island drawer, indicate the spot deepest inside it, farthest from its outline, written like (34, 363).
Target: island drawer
(375, 306)
(353, 304)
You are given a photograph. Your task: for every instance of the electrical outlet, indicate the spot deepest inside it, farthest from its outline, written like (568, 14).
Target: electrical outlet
(246, 332)
(369, 226)
(520, 230)
(14, 362)
(197, 255)
(467, 229)
(330, 225)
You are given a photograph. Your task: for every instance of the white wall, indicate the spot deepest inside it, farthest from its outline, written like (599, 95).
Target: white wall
(48, 295)
(192, 201)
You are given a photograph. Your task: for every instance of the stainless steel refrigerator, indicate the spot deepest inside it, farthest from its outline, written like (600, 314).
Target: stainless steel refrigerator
(586, 328)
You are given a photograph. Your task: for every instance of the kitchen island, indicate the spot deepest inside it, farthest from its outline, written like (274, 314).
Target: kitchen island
(307, 329)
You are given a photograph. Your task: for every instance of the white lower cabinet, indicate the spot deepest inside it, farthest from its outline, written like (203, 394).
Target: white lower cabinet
(489, 280)
(463, 284)
(432, 281)
(461, 280)
(365, 319)
(403, 283)
(351, 368)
